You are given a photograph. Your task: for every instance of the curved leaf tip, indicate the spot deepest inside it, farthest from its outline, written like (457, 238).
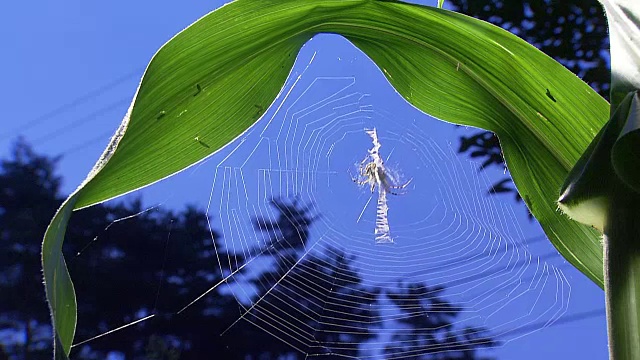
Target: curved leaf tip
(626, 152)
(610, 162)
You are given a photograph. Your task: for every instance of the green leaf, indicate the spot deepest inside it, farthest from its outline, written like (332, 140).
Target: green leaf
(603, 189)
(625, 155)
(622, 264)
(59, 288)
(610, 162)
(213, 80)
(621, 234)
(599, 191)
(440, 3)
(612, 157)
(623, 17)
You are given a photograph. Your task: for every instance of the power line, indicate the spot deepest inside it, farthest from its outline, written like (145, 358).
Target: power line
(89, 142)
(579, 316)
(505, 269)
(470, 257)
(83, 120)
(72, 104)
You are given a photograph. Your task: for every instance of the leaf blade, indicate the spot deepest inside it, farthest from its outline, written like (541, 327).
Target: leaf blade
(58, 285)
(212, 81)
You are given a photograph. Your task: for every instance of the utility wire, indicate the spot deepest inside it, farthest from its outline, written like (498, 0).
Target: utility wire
(441, 266)
(83, 120)
(507, 269)
(566, 319)
(70, 105)
(90, 142)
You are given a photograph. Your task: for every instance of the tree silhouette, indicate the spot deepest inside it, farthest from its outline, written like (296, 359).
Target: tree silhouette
(153, 263)
(573, 32)
(429, 333)
(28, 200)
(123, 267)
(319, 304)
(157, 261)
(329, 292)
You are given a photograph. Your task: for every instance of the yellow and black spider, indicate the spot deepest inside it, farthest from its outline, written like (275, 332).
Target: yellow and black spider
(373, 174)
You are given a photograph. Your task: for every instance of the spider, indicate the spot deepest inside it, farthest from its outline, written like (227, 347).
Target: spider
(373, 174)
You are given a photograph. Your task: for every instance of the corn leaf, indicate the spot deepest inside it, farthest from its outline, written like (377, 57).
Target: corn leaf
(212, 81)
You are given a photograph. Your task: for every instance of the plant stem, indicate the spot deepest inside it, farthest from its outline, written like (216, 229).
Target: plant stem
(622, 274)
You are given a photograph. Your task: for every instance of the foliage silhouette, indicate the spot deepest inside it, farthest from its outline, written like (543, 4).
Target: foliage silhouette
(573, 32)
(288, 295)
(422, 307)
(157, 261)
(28, 198)
(118, 266)
(338, 292)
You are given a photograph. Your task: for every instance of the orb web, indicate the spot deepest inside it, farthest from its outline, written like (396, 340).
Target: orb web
(295, 207)
(456, 277)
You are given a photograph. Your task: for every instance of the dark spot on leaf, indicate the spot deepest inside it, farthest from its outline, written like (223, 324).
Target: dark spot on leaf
(198, 89)
(202, 143)
(161, 115)
(259, 111)
(550, 96)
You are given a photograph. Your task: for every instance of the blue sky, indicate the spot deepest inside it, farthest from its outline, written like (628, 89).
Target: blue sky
(56, 53)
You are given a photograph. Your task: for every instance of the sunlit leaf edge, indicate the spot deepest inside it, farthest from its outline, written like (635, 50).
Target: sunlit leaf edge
(363, 22)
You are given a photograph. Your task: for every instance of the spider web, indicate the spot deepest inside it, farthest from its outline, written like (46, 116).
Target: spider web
(450, 240)
(458, 275)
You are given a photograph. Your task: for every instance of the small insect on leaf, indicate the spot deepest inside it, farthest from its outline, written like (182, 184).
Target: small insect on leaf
(550, 96)
(202, 143)
(161, 115)
(198, 89)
